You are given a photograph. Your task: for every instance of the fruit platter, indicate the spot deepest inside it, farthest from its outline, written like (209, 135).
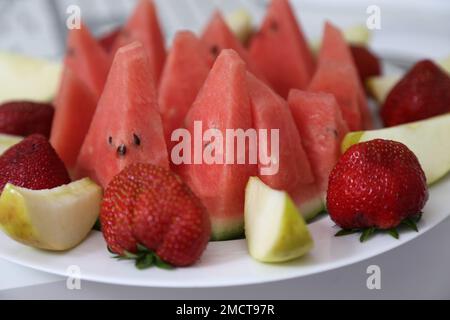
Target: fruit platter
(241, 155)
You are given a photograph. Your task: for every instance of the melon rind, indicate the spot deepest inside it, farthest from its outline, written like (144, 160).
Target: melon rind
(227, 229)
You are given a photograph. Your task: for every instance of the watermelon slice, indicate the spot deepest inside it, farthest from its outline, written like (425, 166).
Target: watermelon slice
(218, 36)
(294, 175)
(87, 59)
(280, 50)
(223, 103)
(322, 128)
(143, 26)
(337, 74)
(185, 72)
(75, 106)
(126, 127)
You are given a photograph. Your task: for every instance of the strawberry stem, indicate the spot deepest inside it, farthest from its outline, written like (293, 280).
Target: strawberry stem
(367, 233)
(394, 233)
(144, 258)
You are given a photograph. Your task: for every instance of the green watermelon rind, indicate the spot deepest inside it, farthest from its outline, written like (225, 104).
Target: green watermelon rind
(227, 229)
(312, 208)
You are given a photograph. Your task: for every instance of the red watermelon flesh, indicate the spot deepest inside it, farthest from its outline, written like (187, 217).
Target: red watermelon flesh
(143, 26)
(185, 72)
(218, 36)
(126, 127)
(75, 106)
(280, 50)
(223, 103)
(322, 128)
(270, 111)
(295, 174)
(87, 59)
(337, 74)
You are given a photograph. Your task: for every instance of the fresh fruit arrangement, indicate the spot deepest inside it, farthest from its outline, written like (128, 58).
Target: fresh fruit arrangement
(128, 111)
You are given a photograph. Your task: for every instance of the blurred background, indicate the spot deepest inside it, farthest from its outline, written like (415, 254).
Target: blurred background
(410, 28)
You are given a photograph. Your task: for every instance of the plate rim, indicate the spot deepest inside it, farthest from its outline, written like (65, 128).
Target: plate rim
(341, 263)
(218, 284)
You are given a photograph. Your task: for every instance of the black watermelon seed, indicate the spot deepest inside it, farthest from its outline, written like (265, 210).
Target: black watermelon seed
(110, 140)
(122, 150)
(136, 139)
(333, 131)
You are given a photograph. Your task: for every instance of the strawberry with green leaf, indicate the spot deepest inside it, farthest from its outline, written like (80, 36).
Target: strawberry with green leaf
(150, 216)
(376, 186)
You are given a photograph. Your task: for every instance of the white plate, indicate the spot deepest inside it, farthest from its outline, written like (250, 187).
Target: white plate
(226, 263)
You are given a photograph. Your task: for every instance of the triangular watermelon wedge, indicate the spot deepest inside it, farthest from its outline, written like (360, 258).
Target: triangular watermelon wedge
(185, 72)
(270, 111)
(87, 59)
(280, 50)
(337, 74)
(126, 127)
(322, 128)
(223, 103)
(295, 174)
(75, 107)
(143, 26)
(217, 36)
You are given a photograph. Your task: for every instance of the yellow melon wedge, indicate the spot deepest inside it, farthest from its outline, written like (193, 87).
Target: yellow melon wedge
(26, 78)
(240, 22)
(274, 229)
(57, 219)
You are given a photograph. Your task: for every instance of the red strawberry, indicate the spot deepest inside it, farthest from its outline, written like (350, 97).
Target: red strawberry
(376, 185)
(148, 214)
(107, 40)
(33, 164)
(23, 118)
(367, 63)
(424, 92)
